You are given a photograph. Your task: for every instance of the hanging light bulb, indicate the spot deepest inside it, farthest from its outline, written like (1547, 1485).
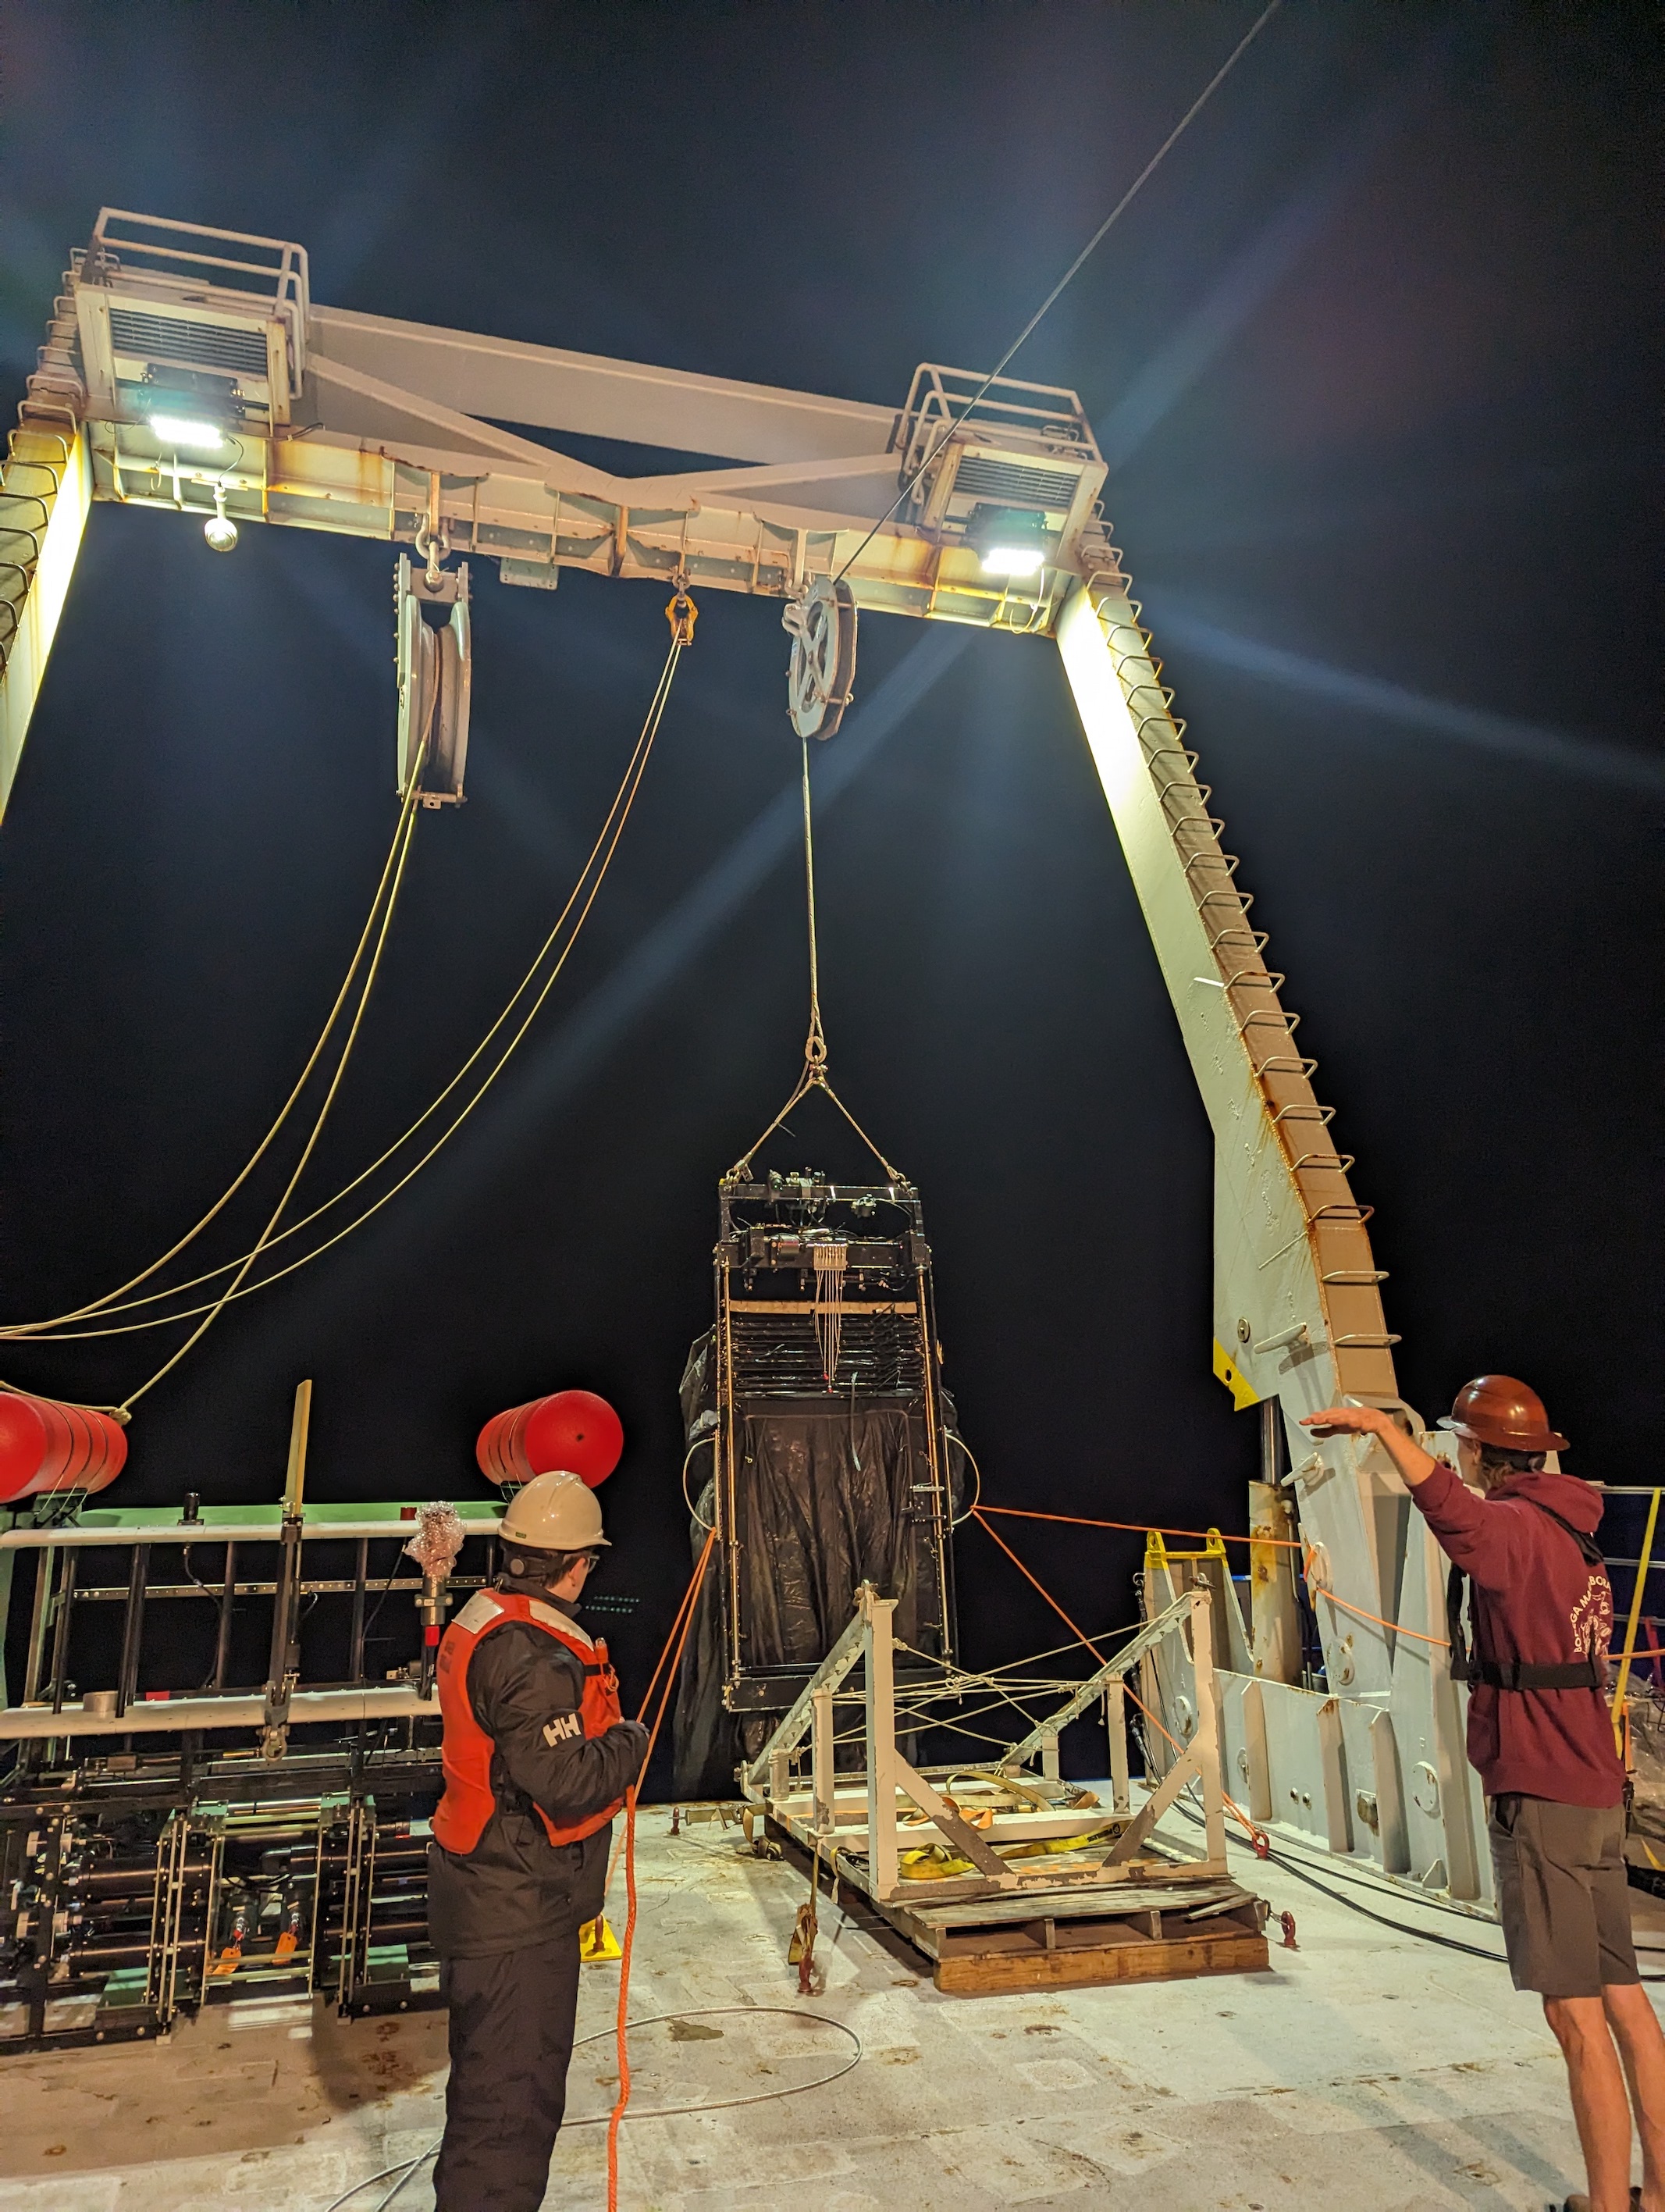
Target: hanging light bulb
(220, 530)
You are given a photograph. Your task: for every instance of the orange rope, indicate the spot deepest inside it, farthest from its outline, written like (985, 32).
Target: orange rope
(977, 1515)
(1257, 1835)
(684, 1622)
(1140, 1527)
(1320, 1589)
(688, 1596)
(617, 2118)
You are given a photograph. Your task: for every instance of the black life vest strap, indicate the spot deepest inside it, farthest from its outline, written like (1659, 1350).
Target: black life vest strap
(1472, 1666)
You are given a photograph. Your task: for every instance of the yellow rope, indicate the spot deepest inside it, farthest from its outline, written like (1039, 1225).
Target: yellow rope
(611, 829)
(108, 1302)
(316, 1131)
(1630, 1628)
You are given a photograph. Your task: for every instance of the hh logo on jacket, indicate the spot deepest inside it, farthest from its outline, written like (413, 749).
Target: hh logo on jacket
(562, 1729)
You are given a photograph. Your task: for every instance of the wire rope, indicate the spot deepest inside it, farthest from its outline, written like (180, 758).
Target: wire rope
(1071, 274)
(815, 1043)
(1381, 1919)
(602, 851)
(815, 1076)
(954, 1437)
(410, 2167)
(316, 1131)
(110, 1298)
(710, 1437)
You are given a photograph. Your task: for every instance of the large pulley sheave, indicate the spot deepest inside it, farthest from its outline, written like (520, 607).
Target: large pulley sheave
(433, 661)
(821, 675)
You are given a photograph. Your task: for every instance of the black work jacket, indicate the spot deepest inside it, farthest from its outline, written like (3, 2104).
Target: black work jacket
(516, 1887)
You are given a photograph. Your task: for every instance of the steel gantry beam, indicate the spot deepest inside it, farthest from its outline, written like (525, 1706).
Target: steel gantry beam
(188, 368)
(313, 416)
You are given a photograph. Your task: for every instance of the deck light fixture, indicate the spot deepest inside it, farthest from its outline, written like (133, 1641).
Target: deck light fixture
(1012, 541)
(188, 431)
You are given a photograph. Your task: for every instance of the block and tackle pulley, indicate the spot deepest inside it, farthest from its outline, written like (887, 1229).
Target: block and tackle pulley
(821, 675)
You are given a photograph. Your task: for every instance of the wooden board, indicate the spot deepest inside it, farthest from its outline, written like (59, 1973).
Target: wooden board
(1078, 1934)
(1066, 1905)
(993, 1973)
(1083, 1939)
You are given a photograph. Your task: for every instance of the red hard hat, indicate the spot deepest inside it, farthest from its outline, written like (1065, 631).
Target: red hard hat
(1497, 1410)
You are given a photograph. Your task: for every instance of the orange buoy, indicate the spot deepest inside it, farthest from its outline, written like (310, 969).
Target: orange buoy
(572, 1430)
(46, 1446)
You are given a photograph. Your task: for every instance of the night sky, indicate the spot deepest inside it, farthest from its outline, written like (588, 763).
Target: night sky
(1373, 358)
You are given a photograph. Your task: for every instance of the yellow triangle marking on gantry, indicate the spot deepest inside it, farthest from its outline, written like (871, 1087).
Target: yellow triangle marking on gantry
(1227, 1372)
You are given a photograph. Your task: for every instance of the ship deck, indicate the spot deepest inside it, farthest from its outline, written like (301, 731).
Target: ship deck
(1364, 2070)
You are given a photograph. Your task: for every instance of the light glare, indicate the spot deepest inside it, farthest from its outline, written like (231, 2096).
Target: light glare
(185, 430)
(1014, 561)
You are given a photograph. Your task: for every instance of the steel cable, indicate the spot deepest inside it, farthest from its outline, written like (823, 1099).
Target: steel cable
(316, 1131)
(1071, 274)
(602, 851)
(109, 1301)
(412, 2167)
(814, 1077)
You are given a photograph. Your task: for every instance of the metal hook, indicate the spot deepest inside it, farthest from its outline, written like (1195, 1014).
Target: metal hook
(681, 612)
(432, 541)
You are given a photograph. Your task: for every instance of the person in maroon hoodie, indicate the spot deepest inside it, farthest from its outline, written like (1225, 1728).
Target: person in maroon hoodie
(1541, 1738)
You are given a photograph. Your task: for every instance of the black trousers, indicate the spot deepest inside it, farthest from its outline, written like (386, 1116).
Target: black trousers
(511, 2019)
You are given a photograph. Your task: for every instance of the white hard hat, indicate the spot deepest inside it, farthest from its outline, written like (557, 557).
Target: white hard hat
(554, 1512)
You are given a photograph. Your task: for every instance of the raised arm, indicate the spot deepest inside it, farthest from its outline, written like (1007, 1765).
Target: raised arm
(1413, 1462)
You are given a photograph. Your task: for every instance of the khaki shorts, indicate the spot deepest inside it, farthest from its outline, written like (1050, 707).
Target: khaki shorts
(1562, 1894)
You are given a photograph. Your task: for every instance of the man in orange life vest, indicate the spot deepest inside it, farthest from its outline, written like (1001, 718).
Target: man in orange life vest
(537, 1760)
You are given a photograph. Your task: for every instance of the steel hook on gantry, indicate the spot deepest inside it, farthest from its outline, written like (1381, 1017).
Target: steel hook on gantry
(681, 612)
(432, 548)
(432, 544)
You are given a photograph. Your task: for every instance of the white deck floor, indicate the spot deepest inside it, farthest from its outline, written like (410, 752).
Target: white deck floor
(1365, 2072)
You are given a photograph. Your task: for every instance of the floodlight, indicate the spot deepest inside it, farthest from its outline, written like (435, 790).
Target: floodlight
(220, 530)
(1012, 541)
(187, 430)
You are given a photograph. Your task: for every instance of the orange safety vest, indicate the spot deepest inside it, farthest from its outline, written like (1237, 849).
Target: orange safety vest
(469, 1801)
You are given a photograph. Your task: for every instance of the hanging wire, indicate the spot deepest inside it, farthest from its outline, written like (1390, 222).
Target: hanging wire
(316, 1130)
(393, 860)
(815, 1076)
(1070, 274)
(599, 860)
(814, 1042)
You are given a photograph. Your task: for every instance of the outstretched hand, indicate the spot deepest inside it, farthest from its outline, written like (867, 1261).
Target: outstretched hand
(1347, 1421)
(1414, 1465)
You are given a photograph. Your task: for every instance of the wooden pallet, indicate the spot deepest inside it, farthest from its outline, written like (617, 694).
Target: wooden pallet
(1076, 1939)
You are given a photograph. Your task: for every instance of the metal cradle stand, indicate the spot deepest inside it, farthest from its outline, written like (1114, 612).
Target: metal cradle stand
(1103, 1905)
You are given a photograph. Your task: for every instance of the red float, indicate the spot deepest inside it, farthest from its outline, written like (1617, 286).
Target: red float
(46, 1447)
(573, 1430)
